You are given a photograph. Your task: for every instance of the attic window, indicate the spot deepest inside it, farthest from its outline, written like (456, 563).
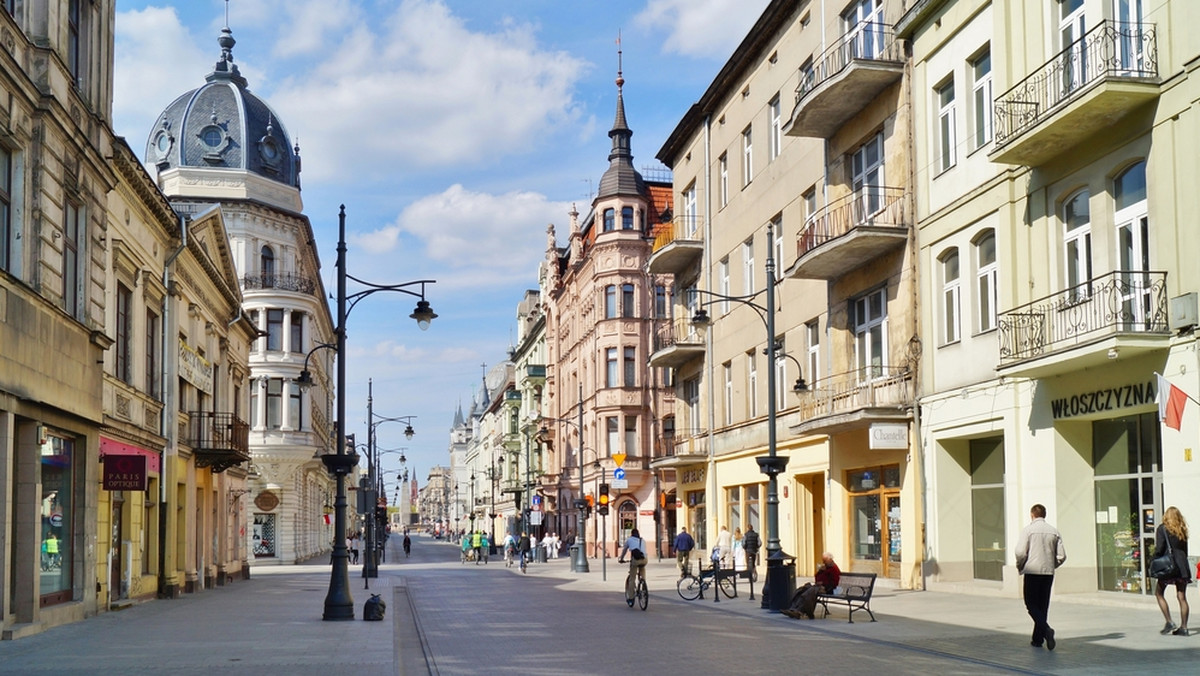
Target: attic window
(746, 92)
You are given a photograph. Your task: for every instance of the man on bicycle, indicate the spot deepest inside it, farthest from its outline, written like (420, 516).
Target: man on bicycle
(407, 544)
(510, 549)
(636, 547)
(523, 548)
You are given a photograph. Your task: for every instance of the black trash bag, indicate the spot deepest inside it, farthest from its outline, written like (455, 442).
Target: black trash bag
(374, 608)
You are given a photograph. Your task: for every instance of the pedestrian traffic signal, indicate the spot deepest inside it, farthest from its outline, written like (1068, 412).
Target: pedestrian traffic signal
(603, 509)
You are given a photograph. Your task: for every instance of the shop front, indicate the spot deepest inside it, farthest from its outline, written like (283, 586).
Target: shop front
(130, 476)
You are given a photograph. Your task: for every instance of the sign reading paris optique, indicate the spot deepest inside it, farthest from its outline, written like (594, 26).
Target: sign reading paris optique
(125, 473)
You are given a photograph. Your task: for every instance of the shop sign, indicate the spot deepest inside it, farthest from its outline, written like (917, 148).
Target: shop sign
(125, 473)
(1103, 400)
(195, 369)
(889, 436)
(266, 501)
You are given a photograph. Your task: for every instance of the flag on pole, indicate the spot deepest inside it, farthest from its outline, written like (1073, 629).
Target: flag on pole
(327, 521)
(1171, 401)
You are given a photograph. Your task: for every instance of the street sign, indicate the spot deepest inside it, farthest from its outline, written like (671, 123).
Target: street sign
(619, 458)
(535, 518)
(537, 499)
(620, 483)
(618, 473)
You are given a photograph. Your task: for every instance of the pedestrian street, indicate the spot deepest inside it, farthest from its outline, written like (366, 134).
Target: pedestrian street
(446, 617)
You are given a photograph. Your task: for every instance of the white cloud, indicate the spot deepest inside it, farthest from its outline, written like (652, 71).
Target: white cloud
(701, 28)
(419, 90)
(483, 238)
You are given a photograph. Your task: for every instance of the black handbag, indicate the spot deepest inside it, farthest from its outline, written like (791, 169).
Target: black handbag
(1163, 567)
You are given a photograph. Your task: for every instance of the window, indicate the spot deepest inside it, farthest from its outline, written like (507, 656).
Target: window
(869, 314)
(153, 338)
(985, 276)
(1077, 242)
(610, 216)
(950, 296)
(723, 273)
(612, 439)
(689, 210)
(867, 174)
(812, 330)
(630, 367)
(73, 233)
(660, 301)
(747, 156)
(748, 267)
(58, 465)
(627, 218)
(124, 330)
(275, 329)
(751, 384)
(728, 369)
(254, 414)
(775, 142)
(266, 265)
(987, 506)
(294, 406)
(274, 403)
(631, 444)
(1071, 27)
(981, 74)
(8, 233)
(11, 7)
(744, 506)
(297, 332)
(723, 179)
(945, 134)
(628, 307)
(610, 372)
(610, 302)
(75, 33)
(691, 395)
(865, 28)
(1133, 245)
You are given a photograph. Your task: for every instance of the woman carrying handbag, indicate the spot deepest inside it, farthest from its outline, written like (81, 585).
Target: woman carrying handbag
(1172, 540)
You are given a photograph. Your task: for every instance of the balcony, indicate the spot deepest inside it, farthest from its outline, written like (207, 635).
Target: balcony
(1083, 90)
(677, 245)
(1119, 314)
(676, 343)
(847, 77)
(282, 281)
(851, 232)
(854, 400)
(218, 440)
(535, 373)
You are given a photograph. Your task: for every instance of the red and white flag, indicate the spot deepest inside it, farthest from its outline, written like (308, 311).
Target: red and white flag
(327, 521)
(1171, 401)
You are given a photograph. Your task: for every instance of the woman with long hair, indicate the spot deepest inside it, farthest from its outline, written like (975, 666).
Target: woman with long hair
(1173, 530)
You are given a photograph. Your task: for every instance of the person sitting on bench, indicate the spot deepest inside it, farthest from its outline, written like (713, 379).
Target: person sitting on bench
(804, 601)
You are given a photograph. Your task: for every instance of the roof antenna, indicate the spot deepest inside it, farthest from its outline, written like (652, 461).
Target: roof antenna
(620, 80)
(227, 13)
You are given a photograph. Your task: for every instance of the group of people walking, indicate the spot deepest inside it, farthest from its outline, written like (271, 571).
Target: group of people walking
(733, 550)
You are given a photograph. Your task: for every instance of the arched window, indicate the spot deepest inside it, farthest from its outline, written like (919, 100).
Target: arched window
(627, 514)
(1133, 243)
(627, 218)
(610, 220)
(627, 303)
(1077, 242)
(950, 296)
(610, 302)
(986, 280)
(266, 266)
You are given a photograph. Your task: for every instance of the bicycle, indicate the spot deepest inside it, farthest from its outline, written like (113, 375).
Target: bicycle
(524, 561)
(508, 557)
(691, 587)
(635, 586)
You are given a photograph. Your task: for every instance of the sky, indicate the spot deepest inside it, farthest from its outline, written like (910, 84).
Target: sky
(454, 132)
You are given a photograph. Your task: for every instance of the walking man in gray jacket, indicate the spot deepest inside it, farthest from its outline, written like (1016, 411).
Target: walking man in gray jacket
(1039, 552)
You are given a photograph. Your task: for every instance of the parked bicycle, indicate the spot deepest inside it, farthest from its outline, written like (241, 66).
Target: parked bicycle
(691, 587)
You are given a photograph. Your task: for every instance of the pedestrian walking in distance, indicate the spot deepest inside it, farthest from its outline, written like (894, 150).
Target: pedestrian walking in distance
(1040, 552)
(684, 544)
(1173, 531)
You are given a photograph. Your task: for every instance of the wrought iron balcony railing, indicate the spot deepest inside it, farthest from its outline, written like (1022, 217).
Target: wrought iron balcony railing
(870, 387)
(1110, 50)
(872, 205)
(1118, 302)
(284, 281)
(867, 41)
(218, 440)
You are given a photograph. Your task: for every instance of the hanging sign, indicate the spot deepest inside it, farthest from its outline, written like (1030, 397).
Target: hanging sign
(125, 473)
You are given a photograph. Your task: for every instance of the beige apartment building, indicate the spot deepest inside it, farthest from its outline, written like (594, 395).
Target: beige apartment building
(797, 159)
(1055, 148)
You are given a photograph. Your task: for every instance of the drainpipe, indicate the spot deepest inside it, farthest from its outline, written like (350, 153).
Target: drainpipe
(169, 426)
(711, 510)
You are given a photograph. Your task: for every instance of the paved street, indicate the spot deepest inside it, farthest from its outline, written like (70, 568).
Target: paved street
(445, 617)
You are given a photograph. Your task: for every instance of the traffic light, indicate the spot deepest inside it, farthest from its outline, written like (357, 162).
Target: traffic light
(591, 503)
(603, 509)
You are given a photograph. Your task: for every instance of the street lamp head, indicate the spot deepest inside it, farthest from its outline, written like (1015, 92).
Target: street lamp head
(408, 434)
(423, 314)
(800, 385)
(701, 320)
(305, 380)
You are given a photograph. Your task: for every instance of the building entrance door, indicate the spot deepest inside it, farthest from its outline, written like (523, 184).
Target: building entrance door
(875, 520)
(1127, 458)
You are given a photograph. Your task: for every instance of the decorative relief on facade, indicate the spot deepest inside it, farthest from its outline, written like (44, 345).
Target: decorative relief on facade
(122, 407)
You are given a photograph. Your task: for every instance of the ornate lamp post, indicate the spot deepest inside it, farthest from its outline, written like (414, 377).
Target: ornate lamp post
(579, 562)
(771, 464)
(339, 605)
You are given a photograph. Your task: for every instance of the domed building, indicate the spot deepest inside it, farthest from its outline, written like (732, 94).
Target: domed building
(221, 147)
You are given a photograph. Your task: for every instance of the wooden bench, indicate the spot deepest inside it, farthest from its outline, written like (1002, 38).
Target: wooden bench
(853, 591)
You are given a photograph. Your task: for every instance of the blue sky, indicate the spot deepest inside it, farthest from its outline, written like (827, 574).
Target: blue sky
(454, 131)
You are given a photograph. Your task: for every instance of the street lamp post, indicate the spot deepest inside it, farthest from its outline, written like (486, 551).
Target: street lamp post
(371, 564)
(579, 562)
(339, 605)
(771, 464)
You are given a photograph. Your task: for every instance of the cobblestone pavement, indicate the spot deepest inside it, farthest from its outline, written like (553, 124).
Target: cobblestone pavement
(449, 618)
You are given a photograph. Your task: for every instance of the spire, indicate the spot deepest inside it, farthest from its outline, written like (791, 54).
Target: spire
(621, 178)
(225, 68)
(458, 417)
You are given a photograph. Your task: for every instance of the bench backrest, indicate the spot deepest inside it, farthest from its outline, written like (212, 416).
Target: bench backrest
(857, 585)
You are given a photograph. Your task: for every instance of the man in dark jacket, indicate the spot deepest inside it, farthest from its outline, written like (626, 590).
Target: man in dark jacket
(684, 544)
(751, 543)
(804, 601)
(523, 547)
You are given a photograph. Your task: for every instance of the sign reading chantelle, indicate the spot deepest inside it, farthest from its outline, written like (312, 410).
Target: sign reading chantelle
(125, 473)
